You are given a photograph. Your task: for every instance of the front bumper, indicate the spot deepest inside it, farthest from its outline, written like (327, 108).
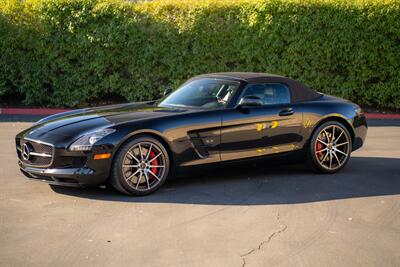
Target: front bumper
(64, 176)
(44, 156)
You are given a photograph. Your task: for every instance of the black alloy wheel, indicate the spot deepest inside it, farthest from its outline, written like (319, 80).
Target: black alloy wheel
(141, 166)
(330, 147)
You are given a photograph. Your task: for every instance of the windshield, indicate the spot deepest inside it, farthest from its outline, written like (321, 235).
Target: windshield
(202, 93)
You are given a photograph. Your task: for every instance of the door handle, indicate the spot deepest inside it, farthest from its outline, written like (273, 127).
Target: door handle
(286, 112)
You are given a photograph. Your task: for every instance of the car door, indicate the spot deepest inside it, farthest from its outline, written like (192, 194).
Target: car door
(195, 134)
(271, 128)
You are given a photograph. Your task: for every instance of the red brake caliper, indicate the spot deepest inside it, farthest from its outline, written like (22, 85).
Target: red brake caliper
(319, 147)
(154, 162)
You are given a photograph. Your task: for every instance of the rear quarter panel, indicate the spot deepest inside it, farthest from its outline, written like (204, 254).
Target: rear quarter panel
(317, 111)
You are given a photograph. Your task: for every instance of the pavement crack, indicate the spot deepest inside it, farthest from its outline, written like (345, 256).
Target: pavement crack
(283, 228)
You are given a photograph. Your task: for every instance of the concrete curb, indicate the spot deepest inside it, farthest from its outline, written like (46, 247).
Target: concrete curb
(51, 111)
(380, 116)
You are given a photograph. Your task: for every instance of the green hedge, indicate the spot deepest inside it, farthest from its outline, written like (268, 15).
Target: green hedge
(71, 52)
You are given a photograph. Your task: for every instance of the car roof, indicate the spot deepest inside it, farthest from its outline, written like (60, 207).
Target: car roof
(299, 91)
(245, 76)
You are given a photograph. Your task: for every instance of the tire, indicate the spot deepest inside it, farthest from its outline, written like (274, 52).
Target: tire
(140, 167)
(330, 148)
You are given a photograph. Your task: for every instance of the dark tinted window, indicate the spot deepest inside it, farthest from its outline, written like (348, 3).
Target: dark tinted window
(202, 93)
(269, 93)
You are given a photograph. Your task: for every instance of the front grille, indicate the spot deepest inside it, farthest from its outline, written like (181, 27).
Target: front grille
(40, 154)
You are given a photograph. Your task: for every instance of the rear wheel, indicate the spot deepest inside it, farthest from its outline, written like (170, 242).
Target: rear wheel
(141, 166)
(330, 147)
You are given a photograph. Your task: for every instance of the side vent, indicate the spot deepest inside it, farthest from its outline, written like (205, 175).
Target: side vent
(199, 145)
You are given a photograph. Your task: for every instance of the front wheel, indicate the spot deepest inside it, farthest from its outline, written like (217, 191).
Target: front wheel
(330, 147)
(141, 166)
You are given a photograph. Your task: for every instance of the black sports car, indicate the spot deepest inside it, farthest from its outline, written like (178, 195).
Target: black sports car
(211, 118)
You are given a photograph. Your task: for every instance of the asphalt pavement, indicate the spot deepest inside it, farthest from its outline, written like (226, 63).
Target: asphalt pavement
(244, 215)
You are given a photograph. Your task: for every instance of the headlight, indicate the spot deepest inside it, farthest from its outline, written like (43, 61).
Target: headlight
(86, 141)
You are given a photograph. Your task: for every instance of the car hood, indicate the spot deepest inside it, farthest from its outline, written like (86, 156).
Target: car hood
(77, 122)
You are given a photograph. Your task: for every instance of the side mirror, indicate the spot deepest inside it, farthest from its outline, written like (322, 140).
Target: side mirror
(250, 101)
(167, 91)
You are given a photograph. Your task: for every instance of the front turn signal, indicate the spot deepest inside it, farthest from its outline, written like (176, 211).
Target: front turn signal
(102, 156)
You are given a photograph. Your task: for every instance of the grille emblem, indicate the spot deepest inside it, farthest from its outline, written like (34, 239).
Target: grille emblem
(26, 152)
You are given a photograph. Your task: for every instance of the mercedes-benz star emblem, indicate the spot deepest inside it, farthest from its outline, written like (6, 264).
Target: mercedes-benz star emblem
(26, 152)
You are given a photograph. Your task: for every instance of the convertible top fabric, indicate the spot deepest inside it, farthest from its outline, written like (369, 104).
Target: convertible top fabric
(299, 91)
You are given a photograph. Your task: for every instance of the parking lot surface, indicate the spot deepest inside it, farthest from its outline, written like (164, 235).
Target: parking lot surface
(249, 215)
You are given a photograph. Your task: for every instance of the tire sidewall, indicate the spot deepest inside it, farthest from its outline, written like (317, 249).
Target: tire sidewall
(313, 140)
(118, 176)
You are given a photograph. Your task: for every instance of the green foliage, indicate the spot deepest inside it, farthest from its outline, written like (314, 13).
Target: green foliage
(71, 52)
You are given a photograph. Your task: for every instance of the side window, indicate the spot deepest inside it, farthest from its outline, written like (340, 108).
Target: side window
(269, 93)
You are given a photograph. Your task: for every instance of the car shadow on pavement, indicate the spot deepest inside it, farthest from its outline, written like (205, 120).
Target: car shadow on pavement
(255, 184)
